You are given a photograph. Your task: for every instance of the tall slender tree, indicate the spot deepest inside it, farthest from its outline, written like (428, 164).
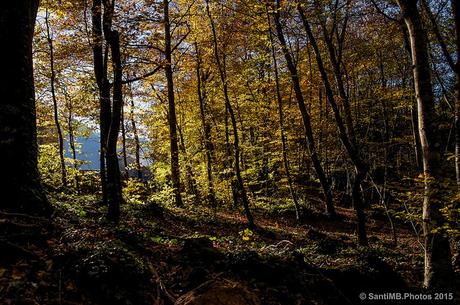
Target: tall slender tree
(306, 119)
(438, 265)
(172, 119)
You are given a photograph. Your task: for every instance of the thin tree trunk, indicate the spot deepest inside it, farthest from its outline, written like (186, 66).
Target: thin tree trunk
(281, 125)
(100, 72)
(386, 150)
(55, 106)
(72, 142)
(438, 268)
(360, 167)
(239, 179)
(191, 182)
(208, 145)
(123, 141)
(19, 177)
(137, 144)
(456, 11)
(175, 170)
(305, 117)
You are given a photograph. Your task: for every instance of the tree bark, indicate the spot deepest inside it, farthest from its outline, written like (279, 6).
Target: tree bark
(19, 177)
(175, 170)
(100, 72)
(55, 106)
(114, 188)
(438, 268)
(305, 117)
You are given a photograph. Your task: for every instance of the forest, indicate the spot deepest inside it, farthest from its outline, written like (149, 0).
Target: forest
(232, 152)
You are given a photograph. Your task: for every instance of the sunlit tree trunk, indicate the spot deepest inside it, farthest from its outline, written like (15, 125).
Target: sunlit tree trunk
(175, 170)
(100, 71)
(438, 268)
(53, 95)
(19, 178)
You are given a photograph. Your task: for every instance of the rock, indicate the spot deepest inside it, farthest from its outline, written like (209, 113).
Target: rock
(219, 292)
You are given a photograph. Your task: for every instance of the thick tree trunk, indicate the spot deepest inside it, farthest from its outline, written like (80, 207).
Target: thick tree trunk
(241, 190)
(55, 106)
(305, 118)
(438, 268)
(352, 150)
(19, 178)
(175, 170)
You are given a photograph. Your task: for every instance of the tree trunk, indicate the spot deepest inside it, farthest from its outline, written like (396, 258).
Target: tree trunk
(55, 106)
(352, 150)
(456, 11)
(281, 125)
(137, 148)
(175, 170)
(208, 146)
(123, 141)
(114, 192)
(100, 72)
(236, 146)
(19, 177)
(191, 182)
(72, 145)
(438, 268)
(305, 117)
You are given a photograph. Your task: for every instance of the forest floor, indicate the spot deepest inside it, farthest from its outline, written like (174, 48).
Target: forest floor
(195, 255)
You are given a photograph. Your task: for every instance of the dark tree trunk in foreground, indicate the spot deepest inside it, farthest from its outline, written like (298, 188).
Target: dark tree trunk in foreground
(438, 268)
(114, 194)
(110, 113)
(240, 189)
(19, 179)
(305, 118)
(175, 170)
